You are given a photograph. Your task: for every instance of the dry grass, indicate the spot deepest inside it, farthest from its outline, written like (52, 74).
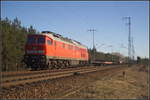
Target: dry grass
(134, 84)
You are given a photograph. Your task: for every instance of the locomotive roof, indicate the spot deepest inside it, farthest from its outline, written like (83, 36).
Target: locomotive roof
(59, 37)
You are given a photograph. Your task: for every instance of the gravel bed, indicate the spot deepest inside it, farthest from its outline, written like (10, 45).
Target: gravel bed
(55, 88)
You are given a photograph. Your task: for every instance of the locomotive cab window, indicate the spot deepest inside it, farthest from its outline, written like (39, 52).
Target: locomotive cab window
(31, 40)
(49, 42)
(41, 40)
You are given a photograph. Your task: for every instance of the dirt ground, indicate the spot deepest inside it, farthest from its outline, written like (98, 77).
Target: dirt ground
(126, 83)
(131, 83)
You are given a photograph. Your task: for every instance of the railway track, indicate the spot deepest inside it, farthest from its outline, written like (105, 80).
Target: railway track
(9, 80)
(27, 72)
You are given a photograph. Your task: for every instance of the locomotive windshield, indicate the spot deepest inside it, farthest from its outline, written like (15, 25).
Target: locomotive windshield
(41, 40)
(35, 40)
(31, 40)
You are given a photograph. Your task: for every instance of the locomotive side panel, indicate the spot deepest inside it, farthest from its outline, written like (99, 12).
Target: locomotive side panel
(50, 50)
(59, 50)
(62, 52)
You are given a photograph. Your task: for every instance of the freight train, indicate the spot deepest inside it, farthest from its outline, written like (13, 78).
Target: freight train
(49, 50)
(104, 62)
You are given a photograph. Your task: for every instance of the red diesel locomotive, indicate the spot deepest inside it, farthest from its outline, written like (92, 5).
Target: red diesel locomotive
(51, 50)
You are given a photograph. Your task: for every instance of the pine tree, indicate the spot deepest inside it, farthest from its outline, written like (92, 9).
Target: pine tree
(31, 30)
(13, 42)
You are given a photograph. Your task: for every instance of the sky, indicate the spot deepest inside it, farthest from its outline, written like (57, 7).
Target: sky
(73, 19)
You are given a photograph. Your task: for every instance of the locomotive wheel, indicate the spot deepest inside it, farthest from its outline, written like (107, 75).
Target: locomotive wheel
(59, 64)
(49, 66)
(63, 65)
(67, 64)
(54, 64)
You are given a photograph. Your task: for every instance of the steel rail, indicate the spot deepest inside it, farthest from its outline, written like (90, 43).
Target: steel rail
(10, 74)
(35, 78)
(13, 81)
(13, 78)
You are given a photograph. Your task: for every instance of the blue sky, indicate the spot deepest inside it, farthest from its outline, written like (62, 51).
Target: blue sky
(72, 19)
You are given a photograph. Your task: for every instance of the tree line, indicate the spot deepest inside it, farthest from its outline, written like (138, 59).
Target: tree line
(95, 55)
(13, 38)
(142, 60)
